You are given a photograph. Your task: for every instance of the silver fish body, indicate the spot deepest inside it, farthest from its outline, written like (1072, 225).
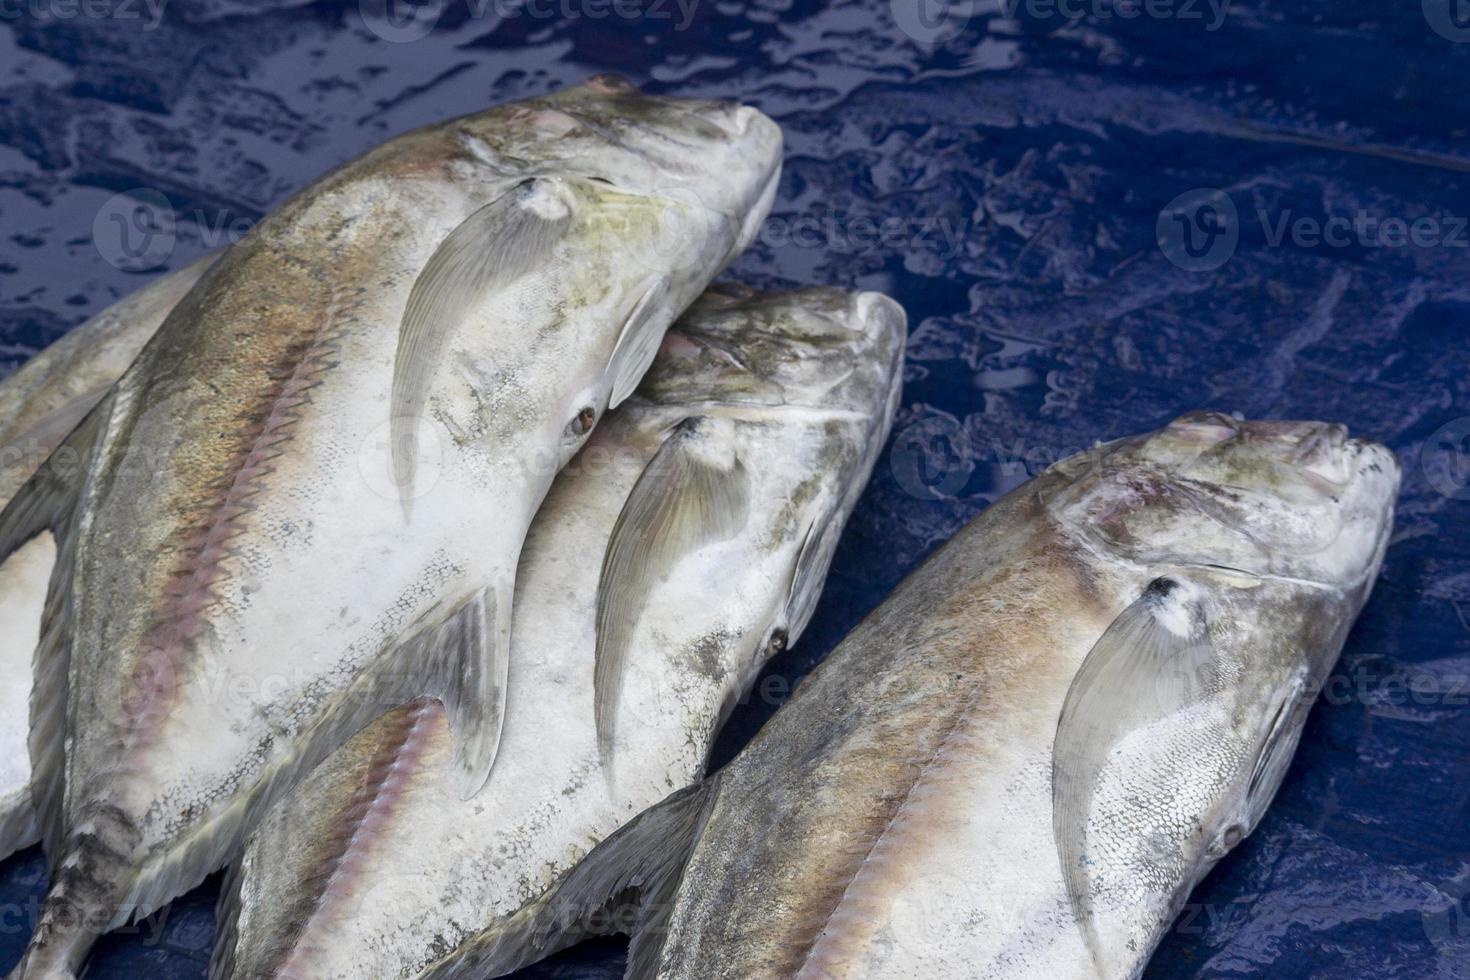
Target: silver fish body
(762, 418)
(39, 405)
(305, 501)
(1020, 764)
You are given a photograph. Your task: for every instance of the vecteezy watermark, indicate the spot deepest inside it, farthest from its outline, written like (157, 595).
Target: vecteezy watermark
(933, 459)
(150, 12)
(1445, 459)
(852, 233)
(1364, 230)
(22, 918)
(403, 21)
(1450, 19)
(136, 231)
(1209, 12)
(1199, 230)
(933, 21)
(1390, 689)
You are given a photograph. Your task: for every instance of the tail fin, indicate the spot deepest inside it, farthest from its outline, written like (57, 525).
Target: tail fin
(79, 907)
(637, 870)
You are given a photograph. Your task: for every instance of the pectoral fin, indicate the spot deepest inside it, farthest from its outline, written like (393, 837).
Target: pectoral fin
(1154, 660)
(693, 492)
(808, 575)
(637, 344)
(496, 245)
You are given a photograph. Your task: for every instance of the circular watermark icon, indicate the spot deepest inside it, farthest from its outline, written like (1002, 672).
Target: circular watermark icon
(1199, 230)
(1445, 459)
(402, 459)
(932, 21)
(933, 459)
(135, 231)
(400, 21)
(1450, 19)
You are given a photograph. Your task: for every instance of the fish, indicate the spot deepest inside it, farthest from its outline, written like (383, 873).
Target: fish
(1021, 762)
(39, 405)
(304, 503)
(729, 476)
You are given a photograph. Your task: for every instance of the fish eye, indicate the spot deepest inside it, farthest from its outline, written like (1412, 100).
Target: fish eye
(778, 642)
(582, 424)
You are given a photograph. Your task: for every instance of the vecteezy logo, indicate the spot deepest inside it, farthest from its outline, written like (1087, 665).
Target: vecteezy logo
(134, 230)
(933, 458)
(1445, 459)
(402, 462)
(932, 21)
(1199, 229)
(400, 21)
(1449, 18)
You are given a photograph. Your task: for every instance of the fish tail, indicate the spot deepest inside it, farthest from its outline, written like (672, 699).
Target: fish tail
(82, 904)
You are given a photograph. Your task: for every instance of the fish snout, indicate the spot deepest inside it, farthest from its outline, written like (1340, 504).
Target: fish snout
(877, 316)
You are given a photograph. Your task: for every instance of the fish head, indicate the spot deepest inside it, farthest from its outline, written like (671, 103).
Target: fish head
(1298, 499)
(1252, 546)
(821, 348)
(770, 410)
(615, 209)
(716, 156)
(812, 378)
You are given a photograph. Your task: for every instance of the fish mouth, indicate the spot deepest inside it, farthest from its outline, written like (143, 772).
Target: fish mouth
(1318, 455)
(875, 315)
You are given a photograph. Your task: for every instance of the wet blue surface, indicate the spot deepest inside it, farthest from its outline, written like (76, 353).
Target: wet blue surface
(1026, 166)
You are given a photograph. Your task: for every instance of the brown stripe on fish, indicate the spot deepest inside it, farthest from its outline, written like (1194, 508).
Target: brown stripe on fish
(913, 818)
(191, 590)
(404, 736)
